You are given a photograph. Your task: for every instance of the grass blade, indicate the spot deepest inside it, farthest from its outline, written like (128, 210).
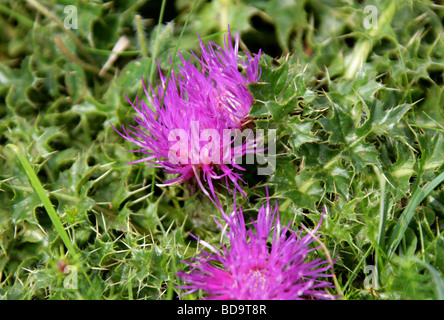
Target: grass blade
(37, 186)
(404, 220)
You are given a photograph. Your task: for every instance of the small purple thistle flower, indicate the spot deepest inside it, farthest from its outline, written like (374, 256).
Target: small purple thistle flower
(188, 106)
(251, 269)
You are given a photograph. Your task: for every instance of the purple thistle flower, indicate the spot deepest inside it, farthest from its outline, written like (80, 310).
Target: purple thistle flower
(196, 113)
(251, 269)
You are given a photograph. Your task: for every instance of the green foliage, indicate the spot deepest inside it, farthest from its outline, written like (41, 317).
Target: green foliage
(359, 117)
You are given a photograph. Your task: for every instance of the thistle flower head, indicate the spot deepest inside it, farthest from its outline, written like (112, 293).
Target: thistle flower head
(187, 126)
(262, 263)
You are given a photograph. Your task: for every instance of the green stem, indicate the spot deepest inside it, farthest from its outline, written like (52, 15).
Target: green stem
(357, 268)
(172, 275)
(223, 24)
(153, 181)
(382, 215)
(130, 285)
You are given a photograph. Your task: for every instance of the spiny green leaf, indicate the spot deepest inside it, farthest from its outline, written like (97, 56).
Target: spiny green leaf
(433, 147)
(287, 16)
(273, 80)
(299, 132)
(341, 127)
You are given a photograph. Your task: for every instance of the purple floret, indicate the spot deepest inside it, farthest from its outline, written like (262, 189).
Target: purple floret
(262, 263)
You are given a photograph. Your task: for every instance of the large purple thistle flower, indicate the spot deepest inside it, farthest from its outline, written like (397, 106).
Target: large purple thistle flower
(191, 130)
(253, 269)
